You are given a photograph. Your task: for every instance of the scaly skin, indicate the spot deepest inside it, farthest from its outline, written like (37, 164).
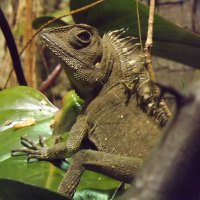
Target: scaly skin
(121, 120)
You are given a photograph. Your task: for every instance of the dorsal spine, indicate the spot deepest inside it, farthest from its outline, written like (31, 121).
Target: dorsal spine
(135, 74)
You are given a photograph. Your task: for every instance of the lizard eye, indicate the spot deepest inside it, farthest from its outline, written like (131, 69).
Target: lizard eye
(81, 39)
(84, 37)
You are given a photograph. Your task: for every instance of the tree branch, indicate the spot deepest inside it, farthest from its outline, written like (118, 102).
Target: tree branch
(149, 41)
(51, 78)
(148, 58)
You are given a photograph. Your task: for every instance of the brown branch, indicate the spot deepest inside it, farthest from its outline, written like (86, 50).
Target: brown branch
(51, 78)
(148, 58)
(41, 50)
(149, 41)
(8, 78)
(53, 20)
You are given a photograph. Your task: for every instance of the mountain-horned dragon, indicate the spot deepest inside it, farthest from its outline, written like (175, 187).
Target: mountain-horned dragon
(121, 121)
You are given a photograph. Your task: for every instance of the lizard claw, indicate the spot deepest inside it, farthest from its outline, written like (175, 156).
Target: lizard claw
(36, 156)
(32, 150)
(58, 139)
(25, 141)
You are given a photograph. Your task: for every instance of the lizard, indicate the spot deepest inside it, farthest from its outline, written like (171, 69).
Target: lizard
(122, 119)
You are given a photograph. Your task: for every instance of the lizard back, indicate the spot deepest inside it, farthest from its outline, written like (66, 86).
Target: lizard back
(121, 128)
(117, 122)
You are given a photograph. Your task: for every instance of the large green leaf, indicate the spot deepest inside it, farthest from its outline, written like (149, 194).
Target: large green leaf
(71, 106)
(170, 40)
(42, 174)
(18, 104)
(13, 190)
(21, 105)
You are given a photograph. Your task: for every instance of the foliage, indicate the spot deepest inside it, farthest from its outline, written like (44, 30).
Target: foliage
(25, 111)
(170, 41)
(20, 105)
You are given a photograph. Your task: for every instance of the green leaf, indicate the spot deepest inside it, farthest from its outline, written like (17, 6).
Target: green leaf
(13, 190)
(72, 105)
(170, 40)
(18, 104)
(97, 181)
(94, 195)
(42, 174)
(40, 21)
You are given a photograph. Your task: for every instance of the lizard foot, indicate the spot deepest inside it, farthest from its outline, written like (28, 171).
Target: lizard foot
(33, 151)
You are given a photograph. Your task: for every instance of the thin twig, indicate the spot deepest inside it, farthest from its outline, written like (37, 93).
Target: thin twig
(149, 41)
(149, 44)
(139, 27)
(8, 78)
(147, 53)
(117, 190)
(51, 78)
(41, 50)
(53, 20)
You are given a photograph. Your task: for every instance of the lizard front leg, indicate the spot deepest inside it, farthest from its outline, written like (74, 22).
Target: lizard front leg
(59, 150)
(119, 167)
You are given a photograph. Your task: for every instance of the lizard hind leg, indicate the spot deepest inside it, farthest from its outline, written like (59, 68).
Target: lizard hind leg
(118, 167)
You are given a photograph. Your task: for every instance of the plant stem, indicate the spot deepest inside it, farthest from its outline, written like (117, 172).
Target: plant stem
(148, 57)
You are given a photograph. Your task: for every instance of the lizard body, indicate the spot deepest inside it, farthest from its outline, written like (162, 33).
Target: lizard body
(121, 120)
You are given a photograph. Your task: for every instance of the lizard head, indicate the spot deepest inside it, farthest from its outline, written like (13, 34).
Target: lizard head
(80, 49)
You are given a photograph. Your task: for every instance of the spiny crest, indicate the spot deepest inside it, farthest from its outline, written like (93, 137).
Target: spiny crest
(131, 57)
(126, 44)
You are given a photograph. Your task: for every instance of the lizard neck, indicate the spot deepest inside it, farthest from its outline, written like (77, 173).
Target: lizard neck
(128, 60)
(129, 71)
